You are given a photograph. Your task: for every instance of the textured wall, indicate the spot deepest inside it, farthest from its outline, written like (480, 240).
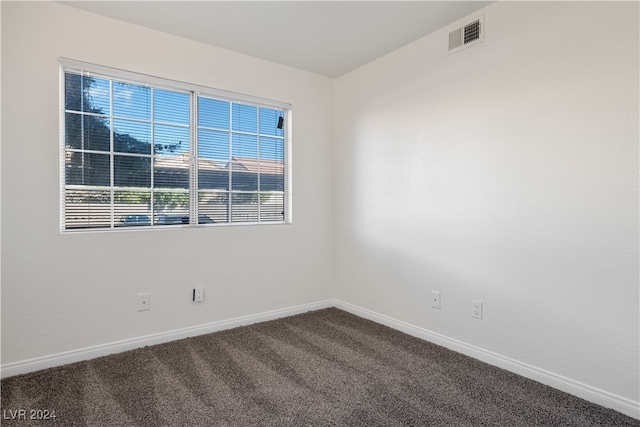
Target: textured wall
(65, 292)
(506, 173)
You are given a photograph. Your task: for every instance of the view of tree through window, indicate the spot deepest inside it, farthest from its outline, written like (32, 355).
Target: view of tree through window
(128, 150)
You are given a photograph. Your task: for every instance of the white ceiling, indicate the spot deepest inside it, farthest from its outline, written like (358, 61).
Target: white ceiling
(325, 37)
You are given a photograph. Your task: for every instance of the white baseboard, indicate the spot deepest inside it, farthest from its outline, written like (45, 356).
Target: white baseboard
(584, 391)
(31, 365)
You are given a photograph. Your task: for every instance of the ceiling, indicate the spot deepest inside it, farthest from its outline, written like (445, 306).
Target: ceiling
(329, 38)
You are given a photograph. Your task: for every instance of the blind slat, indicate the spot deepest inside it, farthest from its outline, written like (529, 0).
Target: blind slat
(133, 140)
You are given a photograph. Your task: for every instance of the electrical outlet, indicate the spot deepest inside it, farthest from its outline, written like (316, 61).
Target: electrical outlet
(477, 309)
(198, 294)
(435, 299)
(144, 301)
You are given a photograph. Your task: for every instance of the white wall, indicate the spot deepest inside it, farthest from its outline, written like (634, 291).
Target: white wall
(506, 173)
(65, 292)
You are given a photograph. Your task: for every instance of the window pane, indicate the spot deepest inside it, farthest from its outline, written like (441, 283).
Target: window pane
(244, 146)
(132, 171)
(170, 106)
(271, 148)
(244, 207)
(269, 119)
(87, 94)
(213, 160)
(271, 206)
(271, 175)
(132, 208)
(212, 176)
(131, 101)
(171, 208)
(245, 118)
(98, 94)
(168, 140)
(244, 175)
(84, 132)
(87, 209)
(174, 217)
(213, 113)
(214, 204)
(131, 137)
(73, 92)
(213, 145)
(171, 171)
(271, 164)
(205, 219)
(87, 169)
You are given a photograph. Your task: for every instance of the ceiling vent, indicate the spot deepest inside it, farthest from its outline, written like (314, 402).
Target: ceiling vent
(466, 36)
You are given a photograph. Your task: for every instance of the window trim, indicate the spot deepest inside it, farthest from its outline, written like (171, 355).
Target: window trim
(195, 90)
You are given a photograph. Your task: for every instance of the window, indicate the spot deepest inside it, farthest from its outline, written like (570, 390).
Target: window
(142, 151)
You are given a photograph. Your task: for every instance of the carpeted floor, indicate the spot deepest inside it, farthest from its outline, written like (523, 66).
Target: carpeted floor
(321, 368)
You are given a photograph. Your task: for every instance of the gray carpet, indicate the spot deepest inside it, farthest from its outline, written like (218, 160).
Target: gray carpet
(321, 368)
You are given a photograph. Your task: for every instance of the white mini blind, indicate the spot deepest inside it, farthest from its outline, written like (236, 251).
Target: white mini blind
(241, 161)
(128, 148)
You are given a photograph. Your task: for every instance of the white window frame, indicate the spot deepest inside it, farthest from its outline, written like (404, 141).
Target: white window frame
(100, 71)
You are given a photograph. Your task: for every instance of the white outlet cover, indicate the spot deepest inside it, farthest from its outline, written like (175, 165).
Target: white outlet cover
(144, 302)
(198, 294)
(476, 309)
(435, 299)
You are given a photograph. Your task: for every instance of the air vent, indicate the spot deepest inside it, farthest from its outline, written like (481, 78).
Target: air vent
(455, 39)
(466, 36)
(472, 32)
